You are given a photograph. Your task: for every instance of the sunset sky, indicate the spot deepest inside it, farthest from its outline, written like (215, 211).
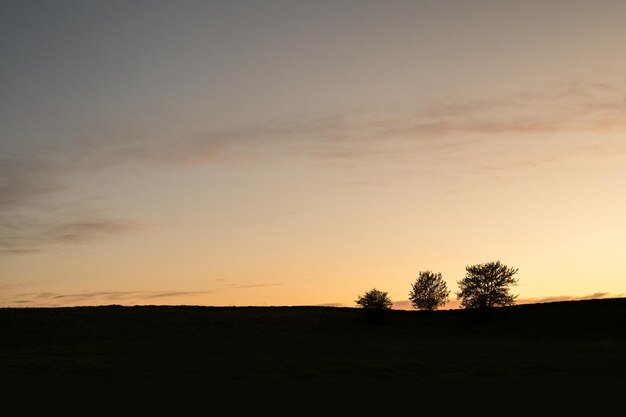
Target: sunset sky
(302, 152)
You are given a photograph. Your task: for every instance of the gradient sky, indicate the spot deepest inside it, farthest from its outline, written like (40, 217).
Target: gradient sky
(301, 153)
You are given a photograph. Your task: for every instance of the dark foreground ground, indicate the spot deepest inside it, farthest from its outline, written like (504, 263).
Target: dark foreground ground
(574, 341)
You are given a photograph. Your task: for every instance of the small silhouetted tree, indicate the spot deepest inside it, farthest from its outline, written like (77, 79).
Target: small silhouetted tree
(374, 300)
(429, 291)
(487, 285)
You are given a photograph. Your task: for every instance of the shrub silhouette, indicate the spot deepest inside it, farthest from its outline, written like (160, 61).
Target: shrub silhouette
(374, 300)
(487, 285)
(429, 291)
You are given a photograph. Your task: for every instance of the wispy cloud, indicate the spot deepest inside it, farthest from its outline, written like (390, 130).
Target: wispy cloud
(453, 123)
(569, 107)
(23, 284)
(24, 180)
(51, 299)
(25, 235)
(452, 126)
(551, 299)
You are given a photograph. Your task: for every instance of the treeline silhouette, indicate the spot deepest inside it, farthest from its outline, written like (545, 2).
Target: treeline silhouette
(484, 286)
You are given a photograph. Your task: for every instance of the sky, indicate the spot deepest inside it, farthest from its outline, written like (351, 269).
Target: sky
(239, 153)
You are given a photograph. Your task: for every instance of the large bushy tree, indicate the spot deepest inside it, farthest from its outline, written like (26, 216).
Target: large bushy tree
(374, 300)
(429, 291)
(487, 285)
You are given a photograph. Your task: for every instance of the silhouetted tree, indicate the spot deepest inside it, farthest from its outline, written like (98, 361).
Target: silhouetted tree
(487, 285)
(374, 300)
(429, 291)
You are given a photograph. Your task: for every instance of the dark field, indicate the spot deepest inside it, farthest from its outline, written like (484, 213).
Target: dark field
(112, 345)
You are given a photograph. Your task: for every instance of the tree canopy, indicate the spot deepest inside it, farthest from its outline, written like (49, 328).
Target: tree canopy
(375, 300)
(429, 291)
(487, 285)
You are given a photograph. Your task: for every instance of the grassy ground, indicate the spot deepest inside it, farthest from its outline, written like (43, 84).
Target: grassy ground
(559, 342)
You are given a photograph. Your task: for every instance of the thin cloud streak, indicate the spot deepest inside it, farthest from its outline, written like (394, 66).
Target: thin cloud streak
(13, 286)
(51, 299)
(455, 304)
(597, 295)
(25, 180)
(19, 236)
(576, 106)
